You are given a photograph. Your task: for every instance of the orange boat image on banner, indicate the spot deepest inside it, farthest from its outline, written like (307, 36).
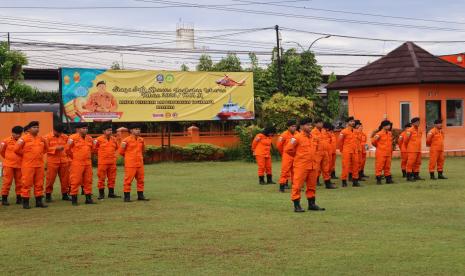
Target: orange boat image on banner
(232, 111)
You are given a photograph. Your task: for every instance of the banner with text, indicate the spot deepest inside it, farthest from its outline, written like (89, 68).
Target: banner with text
(141, 95)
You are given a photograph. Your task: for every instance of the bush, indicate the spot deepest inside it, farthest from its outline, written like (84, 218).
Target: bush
(203, 152)
(31, 95)
(246, 135)
(232, 153)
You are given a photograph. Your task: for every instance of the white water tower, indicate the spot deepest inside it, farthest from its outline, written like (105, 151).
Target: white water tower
(185, 36)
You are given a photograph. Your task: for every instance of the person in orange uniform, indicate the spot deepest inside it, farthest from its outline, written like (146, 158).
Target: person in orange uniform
(403, 149)
(133, 148)
(413, 144)
(306, 166)
(335, 130)
(261, 148)
(32, 147)
(383, 143)
(363, 149)
(332, 148)
(106, 148)
(57, 163)
(435, 142)
(11, 165)
(322, 139)
(349, 147)
(287, 159)
(79, 149)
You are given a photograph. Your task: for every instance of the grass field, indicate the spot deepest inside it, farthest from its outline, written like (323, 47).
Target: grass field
(214, 219)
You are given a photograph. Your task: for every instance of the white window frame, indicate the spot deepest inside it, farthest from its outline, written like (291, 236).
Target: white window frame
(455, 99)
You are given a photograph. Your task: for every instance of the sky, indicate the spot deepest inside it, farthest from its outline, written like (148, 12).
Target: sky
(226, 26)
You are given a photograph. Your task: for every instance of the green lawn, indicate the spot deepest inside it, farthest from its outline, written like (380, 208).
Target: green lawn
(214, 219)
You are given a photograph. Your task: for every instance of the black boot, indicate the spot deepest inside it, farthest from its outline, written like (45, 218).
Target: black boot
(48, 197)
(18, 199)
(261, 180)
(39, 203)
(286, 186)
(127, 197)
(417, 176)
(329, 185)
(441, 176)
(410, 177)
(65, 197)
(404, 173)
(362, 174)
(312, 205)
(5, 200)
(431, 176)
(89, 200)
(389, 179)
(333, 175)
(269, 179)
(344, 183)
(101, 194)
(74, 201)
(282, 188)
(297, 207)
(350, 176)
(111, 193)
(378, 180)
(26, 203)
(140, 196)
(82, 190)
(355, 183)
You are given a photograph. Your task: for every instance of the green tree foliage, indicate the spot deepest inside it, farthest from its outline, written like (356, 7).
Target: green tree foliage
(11, 68)
(230, 63)
(280, 108)
(115, 66)
(246, 135)
(333, 100)
(205, 63)
(184, 68)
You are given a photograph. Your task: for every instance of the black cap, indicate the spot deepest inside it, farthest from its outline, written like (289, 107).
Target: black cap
(357, 122)
(81, 125)
(414, 120)
(407, 125)
(101, 82)
(328, 125)
(438, 121)
(291, 122)
(17, 130)
(305, 121)
(269, 130)
(58, 127)
(33, 124)
(26, 127)
(351, 118)
(385, 123)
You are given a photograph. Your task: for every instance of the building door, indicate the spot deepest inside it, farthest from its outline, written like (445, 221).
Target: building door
(404, 114)
(433, 112)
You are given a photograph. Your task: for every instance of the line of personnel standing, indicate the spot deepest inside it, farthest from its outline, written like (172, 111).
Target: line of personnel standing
(310, 152)
(69, 158)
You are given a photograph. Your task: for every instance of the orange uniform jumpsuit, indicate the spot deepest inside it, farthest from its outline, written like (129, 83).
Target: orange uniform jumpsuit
(57, 163)
(33, 149)
(363, 151)
(403, 150)
(132, 149)
(79, 150)
(413, 144)
(305, 165)
(435, 140)
(287, 158)
(261, 147)
(11, 166)
(106, 150)
(349, 147)
(383, 143)
(332, 155)
(321, 139)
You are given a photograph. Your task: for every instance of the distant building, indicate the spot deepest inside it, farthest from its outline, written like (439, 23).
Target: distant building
(185, 38)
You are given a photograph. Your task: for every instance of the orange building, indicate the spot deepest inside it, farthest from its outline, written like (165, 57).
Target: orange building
(409, 82)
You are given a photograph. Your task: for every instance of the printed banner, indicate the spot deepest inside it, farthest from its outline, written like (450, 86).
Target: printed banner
(127, 96)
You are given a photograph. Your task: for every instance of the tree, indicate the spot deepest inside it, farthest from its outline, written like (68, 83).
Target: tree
(205, 63)
(230, 63)
(11, 69)
(184, 67)
(115, 66)
(280, 108)
(333, 99)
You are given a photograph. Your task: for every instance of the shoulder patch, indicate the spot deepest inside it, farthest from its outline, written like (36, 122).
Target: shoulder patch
(293, 141)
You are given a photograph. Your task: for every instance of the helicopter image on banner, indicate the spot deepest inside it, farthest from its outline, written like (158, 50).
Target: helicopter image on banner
(226, 81)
